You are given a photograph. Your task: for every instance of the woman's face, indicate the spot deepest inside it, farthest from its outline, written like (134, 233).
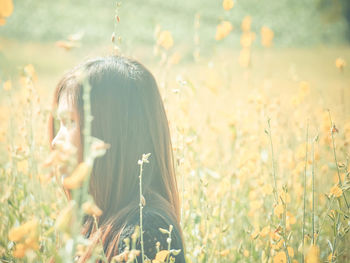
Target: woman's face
(69, 132)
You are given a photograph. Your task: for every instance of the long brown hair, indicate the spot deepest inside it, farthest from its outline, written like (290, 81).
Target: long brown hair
(128, 114)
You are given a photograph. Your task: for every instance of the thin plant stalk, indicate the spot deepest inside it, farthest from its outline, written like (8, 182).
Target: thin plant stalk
(273, 162)
(304, 205)
(323, 219)
(335, 237)
(169, 241)
(313, 189)
(80, 194)
(142, 200)
(285, 225)
(335, 157)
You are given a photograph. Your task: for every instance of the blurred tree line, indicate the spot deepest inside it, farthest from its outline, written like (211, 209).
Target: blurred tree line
(294, 23)
(335, 10)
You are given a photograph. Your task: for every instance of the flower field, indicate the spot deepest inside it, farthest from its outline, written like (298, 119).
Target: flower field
(260, 134)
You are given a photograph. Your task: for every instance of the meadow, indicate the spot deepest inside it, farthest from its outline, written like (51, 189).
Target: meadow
(261, 139)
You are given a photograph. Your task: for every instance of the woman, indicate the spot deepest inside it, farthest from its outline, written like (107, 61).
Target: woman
(129, 115)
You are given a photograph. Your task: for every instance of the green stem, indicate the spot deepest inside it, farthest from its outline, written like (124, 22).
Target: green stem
(313, 191)
(335, 158)
(285, 244)
(273, 163)
(335, 238)
(304, 212)
(141, 207)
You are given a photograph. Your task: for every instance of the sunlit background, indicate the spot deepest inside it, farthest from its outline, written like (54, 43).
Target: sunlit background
(257, 95)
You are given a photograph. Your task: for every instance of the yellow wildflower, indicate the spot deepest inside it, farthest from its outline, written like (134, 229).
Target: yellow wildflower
(335, 191)
(313, 254)
(247, 39)
(265, 231)
(246, 253)
(278, 210)
(161, 256)
(30, 72)
(290, 218)
(225, 252)
(91, 208)
(19, 251)
(304, 87)
(7, 85)
(330, 257)
(340, 63)
(267, 189)
(280, 257)
(290, 251)
(22, 166)
(246, 23)
(6, 9)
(78, 176)
(278, 245)
(227, 4)
(175, 58)
(165, 40)
(223, 29)
(65, 218)
(18, 233)
(266, 36)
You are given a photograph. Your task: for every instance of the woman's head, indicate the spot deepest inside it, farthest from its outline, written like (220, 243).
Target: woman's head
(128, 114)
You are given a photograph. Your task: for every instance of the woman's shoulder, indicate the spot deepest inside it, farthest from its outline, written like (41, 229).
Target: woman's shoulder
(154, 237)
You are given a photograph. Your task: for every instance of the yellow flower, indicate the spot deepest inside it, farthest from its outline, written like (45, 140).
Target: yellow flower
(267, 189)
(165, 40)
(225, 252)
(246, 23)
(22, 166)
(6, 9)
(78, 176)
(336, 191)
(290, 252)
(91, 209)
(278, 210)
(161, 256)
(30, 72)
(280, 257)
(19, 251)
(227, 4)
(66, 217)
(246, 253)
(265, 231)
(256, 204)
(27, 235)
(304, 87)
(329, 258)
(278, 245)
(266, 36)
(18, 233)
(313, 254)
(44, 178)
(66, 45)
(175, 58)
(247, 39)
(223, 29)
(290, 218)
(340, 63)
(7, 85)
